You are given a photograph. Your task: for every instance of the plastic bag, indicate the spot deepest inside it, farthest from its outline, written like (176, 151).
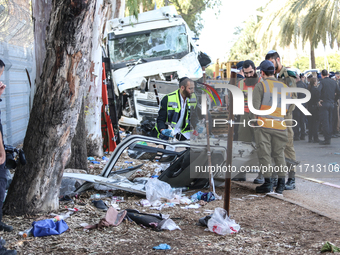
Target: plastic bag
(221, 224)
(169, 224)
(48, 227)
(156, 189)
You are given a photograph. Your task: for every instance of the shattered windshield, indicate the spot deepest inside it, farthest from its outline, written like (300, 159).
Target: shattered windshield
(154, 43)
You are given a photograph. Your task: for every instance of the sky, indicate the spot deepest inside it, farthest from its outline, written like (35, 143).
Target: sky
(217, 36)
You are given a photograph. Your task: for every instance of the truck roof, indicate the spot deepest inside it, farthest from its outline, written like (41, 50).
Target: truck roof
(164, 13)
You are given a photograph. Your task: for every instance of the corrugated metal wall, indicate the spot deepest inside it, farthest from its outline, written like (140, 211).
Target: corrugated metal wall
(15, 105)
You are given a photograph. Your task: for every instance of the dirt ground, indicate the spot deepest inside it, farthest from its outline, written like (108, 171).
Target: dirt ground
(268, 226)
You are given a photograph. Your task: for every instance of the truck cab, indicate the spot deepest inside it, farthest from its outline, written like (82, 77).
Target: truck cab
(146, 54)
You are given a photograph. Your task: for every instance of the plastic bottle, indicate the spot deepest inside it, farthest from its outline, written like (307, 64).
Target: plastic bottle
(61, 217)
(26, 233)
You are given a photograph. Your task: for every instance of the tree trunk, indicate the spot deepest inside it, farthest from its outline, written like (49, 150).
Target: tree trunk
(312, 57)
(78, 146)
(56, 107)
(93, 97)
(41, 14)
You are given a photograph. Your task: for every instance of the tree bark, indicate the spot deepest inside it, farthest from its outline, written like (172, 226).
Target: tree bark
(93, 96)
(78, 146)
(41, 14)
(56, 107)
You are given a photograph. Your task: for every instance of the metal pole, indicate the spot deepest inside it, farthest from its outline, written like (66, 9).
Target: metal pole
(208, 138)
(227, 188)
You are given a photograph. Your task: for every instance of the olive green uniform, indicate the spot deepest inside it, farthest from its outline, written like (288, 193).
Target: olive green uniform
(290, 82)
(270, 142)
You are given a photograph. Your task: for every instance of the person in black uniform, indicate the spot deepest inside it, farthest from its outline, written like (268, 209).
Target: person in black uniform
(299, 129)
(313, 120)
(329, 91)
(3, 177)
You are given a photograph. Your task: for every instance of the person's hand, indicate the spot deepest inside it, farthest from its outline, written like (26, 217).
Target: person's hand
(2, 88)
(320, 103)
(167, 132)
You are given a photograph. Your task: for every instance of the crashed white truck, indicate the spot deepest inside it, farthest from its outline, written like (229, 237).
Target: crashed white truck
(153, 51)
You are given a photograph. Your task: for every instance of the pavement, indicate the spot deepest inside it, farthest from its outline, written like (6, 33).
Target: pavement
(318, 178)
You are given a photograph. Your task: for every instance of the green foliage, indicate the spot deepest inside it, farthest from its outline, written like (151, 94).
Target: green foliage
(246, 46)
(209, 71)
(332, 63)
(190, 10)
(302, 63)
(290, 21)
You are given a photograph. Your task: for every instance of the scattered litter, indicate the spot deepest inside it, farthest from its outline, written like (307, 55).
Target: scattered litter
(208, 211)
(204, 221)
(169, 224)
(68, 186)
(26, 232)
(48, 227)
(156, 222)
(202, 203)
(162, 246)
(65, 198)
(128, 162)
(91, 158)
(112, 218)
(99, 204)
(73, 209)
(336, 153)
(195, 206)
(95, 162)
(329, 247)
(105, 158)
(274, 193)
(208, 197)
(221, 224)
(156, 189)
(145, 203)
(185, 201)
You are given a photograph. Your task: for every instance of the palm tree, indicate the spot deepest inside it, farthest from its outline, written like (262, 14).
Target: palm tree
(309, 20)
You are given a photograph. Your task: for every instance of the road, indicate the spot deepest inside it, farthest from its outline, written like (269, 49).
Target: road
(318, 182)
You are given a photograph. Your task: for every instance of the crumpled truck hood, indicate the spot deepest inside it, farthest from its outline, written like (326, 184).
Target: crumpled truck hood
(187, 66)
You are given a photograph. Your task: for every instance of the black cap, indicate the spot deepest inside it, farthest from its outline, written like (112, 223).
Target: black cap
(267, 66)
(182, 79)
(239, 65)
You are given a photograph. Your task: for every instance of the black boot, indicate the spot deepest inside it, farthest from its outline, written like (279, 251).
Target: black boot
(5, 227)
(266, 187)
(280, 185)
(4, 251)
(290, 184)
(259, 179)
(325, 142)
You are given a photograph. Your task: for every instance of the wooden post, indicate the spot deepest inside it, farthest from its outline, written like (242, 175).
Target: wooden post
(227, 187)
(208, 138)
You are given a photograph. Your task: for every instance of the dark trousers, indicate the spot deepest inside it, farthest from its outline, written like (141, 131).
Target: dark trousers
(335, 119)
(3, 183)
(300, 128)
(325, 114)
(313, 123)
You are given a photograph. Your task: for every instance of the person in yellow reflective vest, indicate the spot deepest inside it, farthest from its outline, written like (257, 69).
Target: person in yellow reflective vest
(270, 130)
(175, 112)
(245, 132)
